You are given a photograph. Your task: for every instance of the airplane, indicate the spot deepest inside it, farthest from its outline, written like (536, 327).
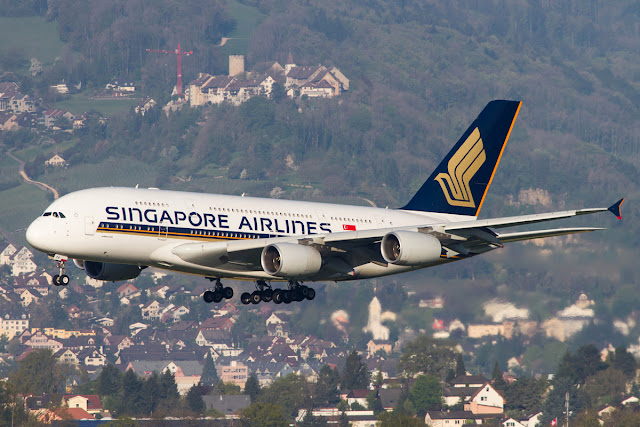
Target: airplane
(114, 233)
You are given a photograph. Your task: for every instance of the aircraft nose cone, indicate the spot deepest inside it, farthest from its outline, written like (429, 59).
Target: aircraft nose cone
(35, 235)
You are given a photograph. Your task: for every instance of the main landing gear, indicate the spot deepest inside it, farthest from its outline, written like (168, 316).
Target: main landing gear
(61, 279)
(264, 293)
(219, 292)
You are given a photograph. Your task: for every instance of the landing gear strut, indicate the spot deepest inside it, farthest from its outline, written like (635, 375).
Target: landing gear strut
(219, 292)
(264, 293)
(60, 279)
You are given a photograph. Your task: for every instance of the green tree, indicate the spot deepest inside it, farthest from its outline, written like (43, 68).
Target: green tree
(39, 373)
(326, 387)
(373, 402)
(355, 374)
(606, 386)
(265, 415)
(130, 394)
(427, 355)
(194, 399)
(496, 377)
(310, 421)
(625, 362)
(209, 373)
(398, 419)
(291, 392)
(228, 388)
(378, 379)
(460, 368)
(108, 381)
(252, 387)
(426, 394)
(525, 395)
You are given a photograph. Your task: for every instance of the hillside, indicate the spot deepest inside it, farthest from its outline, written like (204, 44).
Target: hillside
(420, 72)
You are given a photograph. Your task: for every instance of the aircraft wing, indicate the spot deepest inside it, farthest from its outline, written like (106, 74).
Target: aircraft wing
(465, 238)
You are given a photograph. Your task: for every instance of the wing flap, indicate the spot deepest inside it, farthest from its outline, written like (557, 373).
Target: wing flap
(541, 234)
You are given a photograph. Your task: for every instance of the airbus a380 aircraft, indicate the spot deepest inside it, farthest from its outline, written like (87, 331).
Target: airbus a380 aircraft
(114, 233)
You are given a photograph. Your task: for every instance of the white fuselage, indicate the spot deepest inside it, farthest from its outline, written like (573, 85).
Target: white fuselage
(141, 226)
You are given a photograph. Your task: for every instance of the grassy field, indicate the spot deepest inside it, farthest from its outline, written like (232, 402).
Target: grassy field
(247, 19)
(33, 36)
(20, 205)
(111, 172)
(81, 103)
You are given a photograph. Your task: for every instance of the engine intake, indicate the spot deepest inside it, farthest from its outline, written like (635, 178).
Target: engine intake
(290, 260)
(410, 248)
(111, 272)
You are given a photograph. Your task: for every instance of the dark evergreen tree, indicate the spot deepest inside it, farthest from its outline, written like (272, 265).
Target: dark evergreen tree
(451, 375)
(624, 361)
(108, 381)
(194, 399)
(496, 378)
(130, 394)
(310, 421)
(209, 373)
(554, 405)
(460, 368)
(150, 393)
(355, 374)
(252, 387)
(326, 387)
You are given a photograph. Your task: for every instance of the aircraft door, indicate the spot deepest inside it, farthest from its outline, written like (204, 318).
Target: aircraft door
(89, 226)
(163, 230)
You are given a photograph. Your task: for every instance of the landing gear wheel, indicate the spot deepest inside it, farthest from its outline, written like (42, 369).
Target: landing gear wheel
(277, 296)
(56, 280)
(297, 295)
(256, 297)
(227, 293)
(305, 291)
(208, 297)
(311, 295)
(286, 297)
(64, 280)
(217, 296)
(245, 298)
(267, 295)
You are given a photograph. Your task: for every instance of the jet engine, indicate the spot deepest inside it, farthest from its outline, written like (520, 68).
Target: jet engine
(290, 260)
(111, 272)
(410, 248)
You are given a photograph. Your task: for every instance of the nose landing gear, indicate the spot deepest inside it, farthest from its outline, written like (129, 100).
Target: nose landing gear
(61, 279)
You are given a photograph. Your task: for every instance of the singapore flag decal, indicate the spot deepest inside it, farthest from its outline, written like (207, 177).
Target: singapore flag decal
(348, 227)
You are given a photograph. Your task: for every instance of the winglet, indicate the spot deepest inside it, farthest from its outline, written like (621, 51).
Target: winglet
(615, 208)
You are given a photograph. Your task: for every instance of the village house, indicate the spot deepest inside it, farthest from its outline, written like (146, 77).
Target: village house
(13, 325)
(144, 105)
(52, 115)
(8, 120)
(89, 402)
(120, 86)
(235, 372)
(374, 346)
(61, 88)
(41, 341)
(29, 296)
(6, 256)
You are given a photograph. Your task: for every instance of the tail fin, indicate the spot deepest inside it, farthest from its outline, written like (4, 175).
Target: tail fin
(460, 183)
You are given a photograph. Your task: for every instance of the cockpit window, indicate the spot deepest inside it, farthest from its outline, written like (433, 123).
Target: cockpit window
(46, 214)
(61, 215)
(55, 214)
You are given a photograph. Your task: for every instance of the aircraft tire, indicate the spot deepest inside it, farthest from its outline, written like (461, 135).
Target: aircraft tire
(256, 297)
(311, 294)
(64, 280)
(227, 293)
(208, 297)
(286, 297)
(296, 295)
(56, 280)
(217, 296)
(304, 290)
(267, 295)
(277, 296)
(245, 298)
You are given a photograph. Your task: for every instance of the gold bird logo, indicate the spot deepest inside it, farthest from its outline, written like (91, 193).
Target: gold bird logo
(462, 166)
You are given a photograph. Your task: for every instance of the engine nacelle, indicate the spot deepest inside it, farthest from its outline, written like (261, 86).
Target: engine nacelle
(79, 263)
(410, 248)
(290, 260)
(111, 272)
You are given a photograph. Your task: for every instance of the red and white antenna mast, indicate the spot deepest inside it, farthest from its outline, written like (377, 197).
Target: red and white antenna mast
(179, 54)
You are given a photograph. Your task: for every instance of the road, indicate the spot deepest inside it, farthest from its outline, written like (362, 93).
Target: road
(25, 177)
